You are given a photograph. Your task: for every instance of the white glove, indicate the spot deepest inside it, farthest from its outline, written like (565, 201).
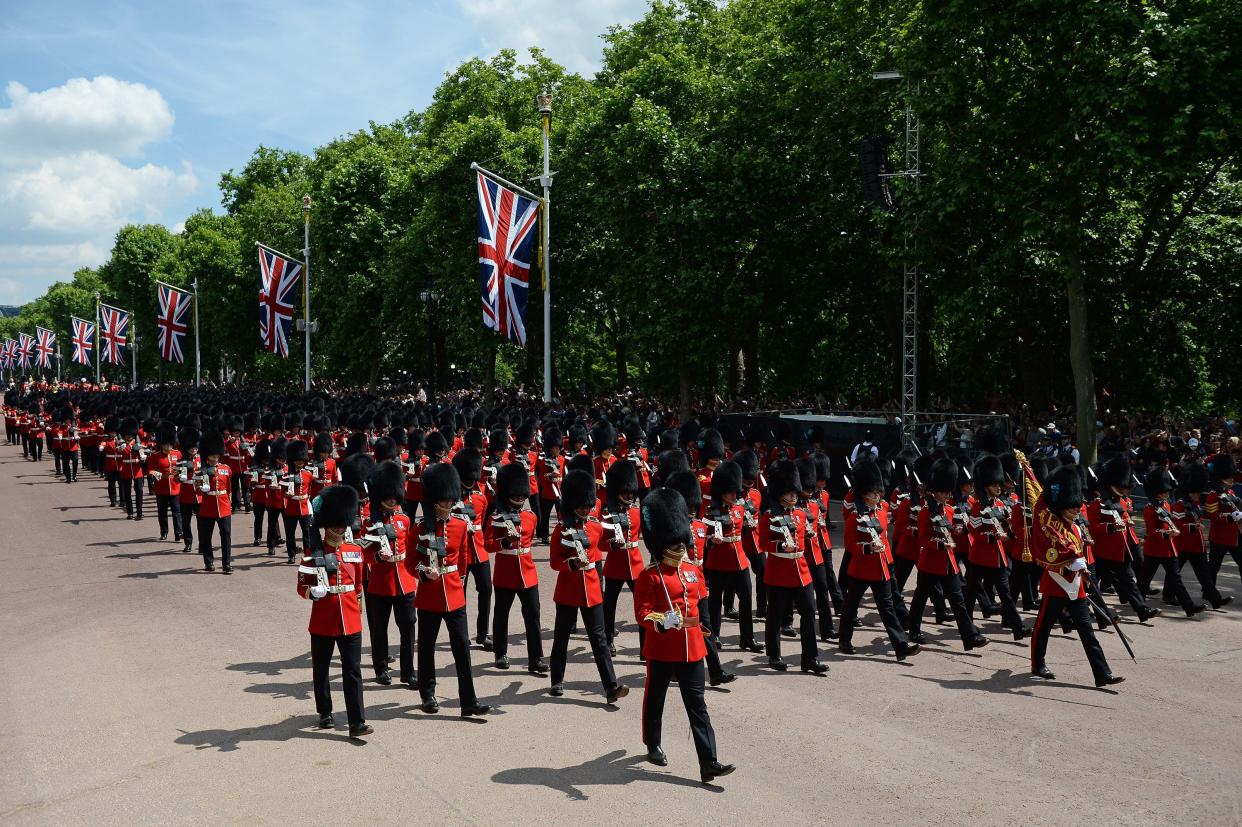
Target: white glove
(1236, 516)
(1078, 565)
(317, 592)
(672, 620)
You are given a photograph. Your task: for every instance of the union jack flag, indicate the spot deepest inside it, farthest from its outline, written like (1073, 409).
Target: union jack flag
(44, 346)
(25, 349)
(278, 275)
(507, 224)
(113, 325)
(8, 353)
(173, 321)
(83, 340)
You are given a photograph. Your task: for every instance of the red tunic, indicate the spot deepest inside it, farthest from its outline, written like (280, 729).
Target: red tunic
(785, 548)
(1054, 545)
(1158, 537)
(624, 558)
(163, 468)
(390, 573)
(213, 486)
(550, 471)
(936, 555)
(297, 504)
(186, 470)
(132, 460)
(987, 541)
(868, 549)
(445, 593)
(1223, 530)
(1188, 517)
(335, 614)
(513, 564)
(812, 517)
(662, 588)
(576, 587)
(1111, 528)
(724, 542)
(476, 546)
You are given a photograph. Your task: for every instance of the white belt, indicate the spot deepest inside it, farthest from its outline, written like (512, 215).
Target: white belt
(348, 587)
(448, 569)
(514, 551)
(630, 545)
(298, 497)
(396, 558)
(731, 538)
(786, 555)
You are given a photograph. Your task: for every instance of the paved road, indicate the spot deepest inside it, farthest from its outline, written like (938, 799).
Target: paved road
(138, 689)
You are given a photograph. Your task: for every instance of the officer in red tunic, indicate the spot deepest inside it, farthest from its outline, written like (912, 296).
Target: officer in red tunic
(161, 467)
(782, 536)
(441, 596)
(1056, 545)
(574, 552)
(1224, 511)
(509, 532)
(938, 557)
(329, 575)
(866, 542)
(391, 581)
(188, 496)
(550, 470)
(667, 595)
(216, 508)
(727, 565)
(987, 564)
(1190, 516)
(623, 560)
(1159, 542)
(816, 562)
(472, 509)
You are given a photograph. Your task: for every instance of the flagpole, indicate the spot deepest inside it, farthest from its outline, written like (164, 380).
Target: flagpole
(133, 338)
(198, 365)
(306, 316)
(58, 360)
(545, 110)
(97, 348)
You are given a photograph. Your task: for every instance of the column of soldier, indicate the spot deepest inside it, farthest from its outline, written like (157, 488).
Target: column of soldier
(710, 512)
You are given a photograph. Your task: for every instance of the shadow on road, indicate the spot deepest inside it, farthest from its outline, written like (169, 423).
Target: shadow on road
(1009, 682)
(230, 740)
(611, 769)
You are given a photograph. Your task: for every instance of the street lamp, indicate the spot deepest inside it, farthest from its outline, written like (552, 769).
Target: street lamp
(430, 296)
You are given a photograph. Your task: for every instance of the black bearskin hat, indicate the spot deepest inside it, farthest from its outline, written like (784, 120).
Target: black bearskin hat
(782, 478)
(670, 462)
(965, 470)
(806, 473)
(473, 439)
(440, 482)
(296, 450)
(603, 436)
(436, 444)
(469, 465)
(1117, 472)
(1009, 465)
(384, 449)
(727, 477)
(498, 441)
(988, 471)
(665, 521)
(512, 482)
(166, 432)
(1063, 490)
(338, 506)
(355, 443)
(211, 444)
(128, 427)
(1194, 478)
(577, 490)
(1221, 467)
(865, 478)
(552, 437)
(524, 434)
(621, 478)
(399, 436)
(323, 443)
(355, 469)
(687, 485)
(188, 438)
(386, 481)
(1158, 481)
(922, 469)
(748, 461)
(280, 449)
(942, 476)
(580, 462)
(711, 446)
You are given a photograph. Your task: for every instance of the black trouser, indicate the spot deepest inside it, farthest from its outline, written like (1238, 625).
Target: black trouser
(1216, 557)
(292, 521)
(951, 585)
(593, 620)
(189, 512)
(545, 517)
(131, 496)
(1173, 584)
(1024, 583)
(1203, 573)
(690, 683)
(273, 528)
(240, 491)
(997, 578)
(428, 633)
(781, 597)
(712, 644)
(69, 465)
(739, 581)
(57, 455)
(481, 574)
(901, 571)
(350, 647)
(379, 607)
(36, 449)
(164, 503)
(114, 479)
(759, 565)
(259, 511)
(882, 591)
(612, 590)
(834, 586)
(529, 599)
(1050, 609)
(823, 610)
(206, 526)
(1122, 578)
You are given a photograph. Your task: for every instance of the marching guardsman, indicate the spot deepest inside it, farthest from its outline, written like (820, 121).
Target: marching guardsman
(509, 534)
(711, 453)
(272, 479)
(624, 560)
(188, 497)
(329, 576)
(752, 500)
(1190, 517)
(987, 564)
(1112, 530)
(866, 541)
(550, 469)
(666, 603)
(686, 484)
(69, 444)
(937, 556)
(636, 452)
(782, 536)
(391, 581)
(1224, 510)
(132, 459)
(259, 465)
(472, 509)
(215, 509)
(323, 467)
(727, 565)
(1056, 545)
(441, 595)
(823, 471)
(414, 464)
(574, 552)
(162, 467)
(604, 444)
(1159, 542)
(235, 459)
(497, 454)
(815, 520)
(297, 486)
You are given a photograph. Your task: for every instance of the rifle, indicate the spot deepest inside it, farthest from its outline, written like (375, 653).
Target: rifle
(383, 535)
(576, 540)
(434, 547)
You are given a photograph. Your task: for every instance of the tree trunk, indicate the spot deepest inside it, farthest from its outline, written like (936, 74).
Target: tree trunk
(737, 368)
(750, 382)
(683, 388)
(373, 378)
(1080, 357)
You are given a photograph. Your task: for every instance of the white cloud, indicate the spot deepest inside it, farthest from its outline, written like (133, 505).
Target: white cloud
(568, 32)
(29, 268)
(102, 114)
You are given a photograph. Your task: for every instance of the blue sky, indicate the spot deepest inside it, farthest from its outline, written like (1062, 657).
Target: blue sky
(113, 113)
